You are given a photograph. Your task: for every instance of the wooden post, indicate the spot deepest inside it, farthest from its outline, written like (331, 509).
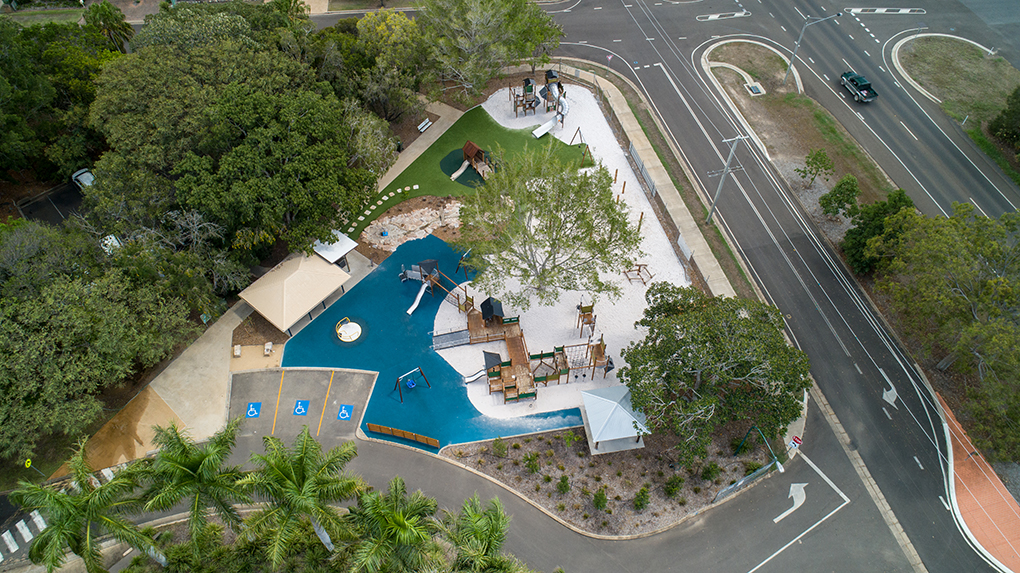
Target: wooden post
(624, 188)
(614, 176)
(640, 219)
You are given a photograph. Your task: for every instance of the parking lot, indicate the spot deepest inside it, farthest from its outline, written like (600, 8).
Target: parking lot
(280, 401)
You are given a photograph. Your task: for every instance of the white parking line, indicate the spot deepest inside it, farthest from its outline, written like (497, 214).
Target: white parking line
(918, 462)
(886, 413)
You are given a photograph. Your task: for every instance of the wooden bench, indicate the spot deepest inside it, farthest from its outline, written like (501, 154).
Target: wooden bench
(424, 125)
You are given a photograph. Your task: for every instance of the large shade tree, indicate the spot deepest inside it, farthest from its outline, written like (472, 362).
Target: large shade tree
(471, 41)
(706, 361)
(78, 516)
(69, 327)
(299, 483)
(539, 226)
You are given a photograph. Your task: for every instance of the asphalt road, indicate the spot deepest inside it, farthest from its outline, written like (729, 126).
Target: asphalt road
(854, 360)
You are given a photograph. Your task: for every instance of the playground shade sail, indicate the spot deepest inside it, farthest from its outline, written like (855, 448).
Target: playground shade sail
(610, 414)
(293, 288)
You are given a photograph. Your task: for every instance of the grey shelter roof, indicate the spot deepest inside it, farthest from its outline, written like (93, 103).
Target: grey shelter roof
(610, 414)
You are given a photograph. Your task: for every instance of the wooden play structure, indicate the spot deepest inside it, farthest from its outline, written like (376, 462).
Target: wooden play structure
(410, 380)
(431, 277)
(476, 158)
(640, 273)
(586, 317)
(524, 99)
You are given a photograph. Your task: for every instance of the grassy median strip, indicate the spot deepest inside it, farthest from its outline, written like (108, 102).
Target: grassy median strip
(972, 85)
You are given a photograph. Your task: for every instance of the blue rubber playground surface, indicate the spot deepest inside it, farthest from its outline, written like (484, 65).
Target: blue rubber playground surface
(393, 343)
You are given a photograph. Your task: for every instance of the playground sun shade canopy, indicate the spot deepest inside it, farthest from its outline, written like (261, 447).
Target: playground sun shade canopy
(609, 414)
(293, 288)
(332, 252)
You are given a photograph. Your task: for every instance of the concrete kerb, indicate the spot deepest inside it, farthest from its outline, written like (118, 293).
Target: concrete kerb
(660, 179)
(906, 76)
(707, 66)
(361, 435)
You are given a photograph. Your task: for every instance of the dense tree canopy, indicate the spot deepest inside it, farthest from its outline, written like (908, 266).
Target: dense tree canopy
(539, 226)
(870, 223)
(707, 361)
(953, 282)
(70, 326)
(473, 40)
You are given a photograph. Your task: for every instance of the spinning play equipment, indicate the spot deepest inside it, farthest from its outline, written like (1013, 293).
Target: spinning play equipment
(347, 330)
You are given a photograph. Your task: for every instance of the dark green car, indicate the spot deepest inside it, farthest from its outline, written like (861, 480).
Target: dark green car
(858, 86)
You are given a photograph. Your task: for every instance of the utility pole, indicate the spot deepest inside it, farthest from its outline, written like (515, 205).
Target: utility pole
(725, 171)
(810, 20)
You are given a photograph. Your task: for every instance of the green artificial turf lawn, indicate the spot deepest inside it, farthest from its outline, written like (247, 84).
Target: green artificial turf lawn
(431, 171)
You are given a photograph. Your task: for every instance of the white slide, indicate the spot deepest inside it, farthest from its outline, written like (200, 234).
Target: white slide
(561, 111)
(459, 172)
(417, 299)
(544, 128)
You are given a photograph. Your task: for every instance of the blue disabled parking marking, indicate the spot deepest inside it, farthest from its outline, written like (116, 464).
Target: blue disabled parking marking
(346, 412)
(254, 409)
(301, 408)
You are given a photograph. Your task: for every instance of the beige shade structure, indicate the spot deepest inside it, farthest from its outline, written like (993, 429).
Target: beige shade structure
(293, 288)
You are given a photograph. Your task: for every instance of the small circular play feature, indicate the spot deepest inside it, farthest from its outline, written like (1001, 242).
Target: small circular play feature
(347, 330)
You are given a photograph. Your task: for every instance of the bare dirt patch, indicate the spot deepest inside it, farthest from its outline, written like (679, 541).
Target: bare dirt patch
(621, 474)
(256, 330)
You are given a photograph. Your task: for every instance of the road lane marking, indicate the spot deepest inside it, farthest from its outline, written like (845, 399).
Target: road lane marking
(866, 53)
(848, 66)
(858, 368)
(881, 68)
(918, 462)
(893, 11)
(978, 207)
(846, 500)
(887, 415)
(783, 27)
(617, 40)
(799, 497)
(943, 500)
(908, 131)
(851, 37)
(810, 59)
(802, 16)
(826, 77)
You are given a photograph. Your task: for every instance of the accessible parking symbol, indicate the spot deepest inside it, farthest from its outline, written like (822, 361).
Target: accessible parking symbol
(254, 409)
(301, 408)
(346, 412)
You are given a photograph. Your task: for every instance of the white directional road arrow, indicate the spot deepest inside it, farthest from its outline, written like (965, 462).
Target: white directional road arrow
(889, 395)
(798, 495)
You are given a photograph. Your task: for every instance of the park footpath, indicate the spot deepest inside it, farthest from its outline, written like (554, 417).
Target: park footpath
(192, 390)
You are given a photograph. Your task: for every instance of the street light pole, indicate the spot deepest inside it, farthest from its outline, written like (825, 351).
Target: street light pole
(810, 20)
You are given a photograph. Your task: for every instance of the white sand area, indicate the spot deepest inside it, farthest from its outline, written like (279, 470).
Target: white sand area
(548, 326)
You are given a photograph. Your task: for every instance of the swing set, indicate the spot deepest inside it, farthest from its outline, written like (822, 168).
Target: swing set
(409, 380)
